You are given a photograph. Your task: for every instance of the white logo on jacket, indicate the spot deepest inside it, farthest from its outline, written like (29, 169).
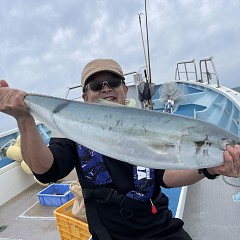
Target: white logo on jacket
(143, 172)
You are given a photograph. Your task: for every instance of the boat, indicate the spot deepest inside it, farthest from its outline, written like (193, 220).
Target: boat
(208, 208)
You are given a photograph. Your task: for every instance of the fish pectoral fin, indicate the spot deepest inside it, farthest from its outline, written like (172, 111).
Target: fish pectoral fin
(157, 145)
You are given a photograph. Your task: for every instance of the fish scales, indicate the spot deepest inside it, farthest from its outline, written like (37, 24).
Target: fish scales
(136, 136)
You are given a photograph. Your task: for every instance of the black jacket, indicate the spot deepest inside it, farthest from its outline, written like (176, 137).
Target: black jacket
(142, 224)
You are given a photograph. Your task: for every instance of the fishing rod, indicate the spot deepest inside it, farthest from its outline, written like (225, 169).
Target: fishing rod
(146, 89)
(149, 65)
(144, 49)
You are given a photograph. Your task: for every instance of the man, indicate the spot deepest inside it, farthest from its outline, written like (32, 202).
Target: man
(120, 205)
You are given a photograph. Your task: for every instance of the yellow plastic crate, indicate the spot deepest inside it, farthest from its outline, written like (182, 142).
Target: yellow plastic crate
(69, 227)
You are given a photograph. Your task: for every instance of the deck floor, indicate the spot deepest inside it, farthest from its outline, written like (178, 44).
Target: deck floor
(26, 219)
(210, 212)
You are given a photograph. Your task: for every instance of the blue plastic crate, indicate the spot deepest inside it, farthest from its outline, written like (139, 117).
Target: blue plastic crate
(55, 195)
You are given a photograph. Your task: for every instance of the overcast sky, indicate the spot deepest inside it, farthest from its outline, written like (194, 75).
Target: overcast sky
(46, 43)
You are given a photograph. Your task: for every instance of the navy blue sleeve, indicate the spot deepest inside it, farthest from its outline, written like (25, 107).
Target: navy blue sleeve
(65, 159)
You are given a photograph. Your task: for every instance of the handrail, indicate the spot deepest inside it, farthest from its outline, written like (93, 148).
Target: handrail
(177, 72)
(205, 60)
(73, 87)
(203, 68)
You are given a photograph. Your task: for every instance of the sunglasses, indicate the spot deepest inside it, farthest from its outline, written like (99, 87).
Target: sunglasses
(98, 85)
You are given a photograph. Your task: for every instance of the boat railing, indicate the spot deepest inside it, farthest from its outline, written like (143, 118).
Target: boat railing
(8, 138)
(186, 71)
(3, 151)
(188, 68)
(72, 88)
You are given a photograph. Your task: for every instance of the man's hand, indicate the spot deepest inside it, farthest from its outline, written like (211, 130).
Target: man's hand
(231, 166)
(3, 83)
(11, 101)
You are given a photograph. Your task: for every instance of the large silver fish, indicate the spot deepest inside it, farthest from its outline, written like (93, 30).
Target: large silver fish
(139, 137)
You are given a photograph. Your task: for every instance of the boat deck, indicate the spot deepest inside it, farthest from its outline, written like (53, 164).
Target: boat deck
(210, 212)
(24, 218)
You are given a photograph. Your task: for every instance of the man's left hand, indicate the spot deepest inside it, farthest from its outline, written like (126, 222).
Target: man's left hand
(231, 166)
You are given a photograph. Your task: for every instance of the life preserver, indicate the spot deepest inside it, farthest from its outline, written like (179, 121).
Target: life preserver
(96, 173)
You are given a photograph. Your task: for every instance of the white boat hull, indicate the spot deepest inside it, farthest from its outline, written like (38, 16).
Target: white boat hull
(13, 180)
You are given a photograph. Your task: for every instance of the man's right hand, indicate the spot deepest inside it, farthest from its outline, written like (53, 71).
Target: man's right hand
(11, 101)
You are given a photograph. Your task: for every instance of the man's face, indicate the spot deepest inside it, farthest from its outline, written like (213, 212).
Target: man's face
(116, 94)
